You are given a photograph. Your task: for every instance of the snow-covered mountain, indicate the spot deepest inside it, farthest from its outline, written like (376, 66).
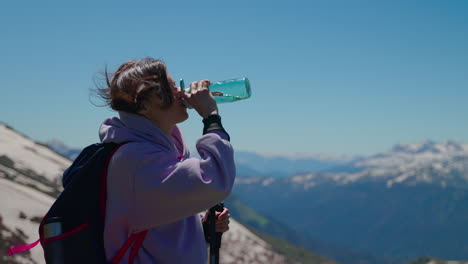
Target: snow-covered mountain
(426, 162)
(412, 162)
(30, 178)
(62, 148)
(407, 202)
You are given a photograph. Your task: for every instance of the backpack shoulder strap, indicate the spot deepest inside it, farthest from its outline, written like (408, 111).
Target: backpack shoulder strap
(137, 241)
(137, 246)
(103, 191)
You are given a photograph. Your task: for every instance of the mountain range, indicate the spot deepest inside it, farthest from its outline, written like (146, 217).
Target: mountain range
(30, 179)
(279, 166)
(397, 205)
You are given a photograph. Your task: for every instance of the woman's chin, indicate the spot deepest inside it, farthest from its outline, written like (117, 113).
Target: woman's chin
(184, 117)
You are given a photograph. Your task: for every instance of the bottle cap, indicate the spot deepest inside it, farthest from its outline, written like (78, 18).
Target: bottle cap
(182, 87)
(52, 227)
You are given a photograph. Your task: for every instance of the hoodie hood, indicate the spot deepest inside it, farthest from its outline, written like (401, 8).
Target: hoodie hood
(136, 128)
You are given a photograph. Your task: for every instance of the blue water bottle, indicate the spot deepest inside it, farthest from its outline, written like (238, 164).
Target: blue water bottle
(227, 91)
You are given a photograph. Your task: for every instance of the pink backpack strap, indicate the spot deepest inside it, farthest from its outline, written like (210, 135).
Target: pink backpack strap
(120, 254)
(137, 246)
(19, 249)
(22, 248)
(137, 241)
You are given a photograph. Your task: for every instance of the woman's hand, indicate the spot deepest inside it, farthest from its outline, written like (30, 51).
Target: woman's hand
(222, 220)
(201, 99)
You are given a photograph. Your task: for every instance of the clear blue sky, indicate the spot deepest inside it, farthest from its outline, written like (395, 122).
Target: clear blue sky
(346, 77)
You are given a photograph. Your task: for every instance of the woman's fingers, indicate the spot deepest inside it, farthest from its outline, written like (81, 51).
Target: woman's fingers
(193, 86)
(223, 214)
(205, 84)
(222, 220)
(224, 223)
(199, 86)
(222, 226)
(222, 229)
(181, 95)
(201, 99)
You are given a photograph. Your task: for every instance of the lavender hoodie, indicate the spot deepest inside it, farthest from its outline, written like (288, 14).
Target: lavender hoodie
(154, 184)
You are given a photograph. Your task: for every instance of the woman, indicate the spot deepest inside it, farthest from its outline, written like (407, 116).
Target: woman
(153, 184)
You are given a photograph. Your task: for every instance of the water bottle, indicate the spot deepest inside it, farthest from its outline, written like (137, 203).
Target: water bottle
(53, 251)
(226, 91)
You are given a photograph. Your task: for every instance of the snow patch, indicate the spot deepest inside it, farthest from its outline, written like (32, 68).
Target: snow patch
(28, 154)
(16, 199)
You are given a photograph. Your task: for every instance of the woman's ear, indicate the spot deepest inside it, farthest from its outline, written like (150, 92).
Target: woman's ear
(142, 110)
(150, 104)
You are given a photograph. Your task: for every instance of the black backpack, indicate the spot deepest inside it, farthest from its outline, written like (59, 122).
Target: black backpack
(80, 212)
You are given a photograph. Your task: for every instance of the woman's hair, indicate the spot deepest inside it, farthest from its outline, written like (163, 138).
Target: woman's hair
(133, 82)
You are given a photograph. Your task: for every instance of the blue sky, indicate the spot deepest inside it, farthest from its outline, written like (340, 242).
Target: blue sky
(345, 77)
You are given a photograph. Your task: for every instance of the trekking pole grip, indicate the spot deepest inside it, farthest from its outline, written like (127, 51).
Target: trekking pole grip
(219, 208)
(215, 237)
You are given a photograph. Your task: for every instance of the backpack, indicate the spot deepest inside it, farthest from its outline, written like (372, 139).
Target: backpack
(80, 210)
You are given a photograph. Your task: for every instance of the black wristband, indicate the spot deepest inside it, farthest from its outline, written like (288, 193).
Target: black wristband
(213, 122)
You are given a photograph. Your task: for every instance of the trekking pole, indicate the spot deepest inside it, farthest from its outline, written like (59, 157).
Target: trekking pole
(214, 237)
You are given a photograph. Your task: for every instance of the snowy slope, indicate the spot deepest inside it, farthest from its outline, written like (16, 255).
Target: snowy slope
(21, 209)
(239, 245)
(30, 163)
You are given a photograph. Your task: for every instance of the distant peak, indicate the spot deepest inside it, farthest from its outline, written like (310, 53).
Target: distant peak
(428, 146)
(55, 143)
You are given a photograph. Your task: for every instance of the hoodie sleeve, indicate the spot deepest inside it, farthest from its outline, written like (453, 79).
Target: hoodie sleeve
(166, 189)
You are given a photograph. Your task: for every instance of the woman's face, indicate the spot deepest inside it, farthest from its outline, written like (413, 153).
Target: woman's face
(178, 110)
(172, 115)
